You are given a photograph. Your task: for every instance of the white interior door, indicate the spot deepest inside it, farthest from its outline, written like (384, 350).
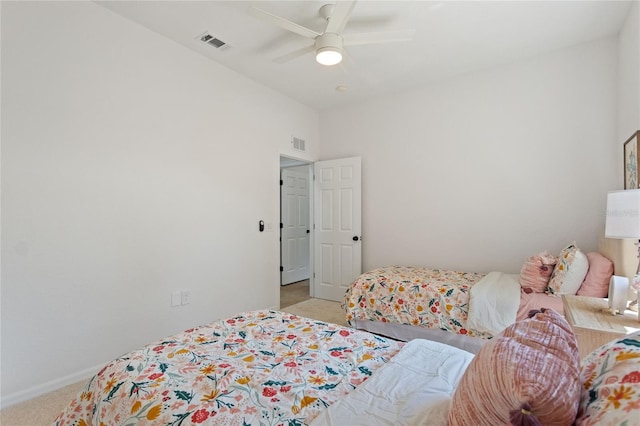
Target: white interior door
(294, 211)
(338, 226)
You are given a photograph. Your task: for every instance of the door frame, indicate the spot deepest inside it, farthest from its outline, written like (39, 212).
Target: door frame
(308, 163)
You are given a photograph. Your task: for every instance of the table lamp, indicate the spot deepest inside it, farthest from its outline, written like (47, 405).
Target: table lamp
(623, 221)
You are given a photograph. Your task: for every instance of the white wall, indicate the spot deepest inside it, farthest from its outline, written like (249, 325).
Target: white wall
(131, 168)
(628, 123)
(478, 172)
(629, 79)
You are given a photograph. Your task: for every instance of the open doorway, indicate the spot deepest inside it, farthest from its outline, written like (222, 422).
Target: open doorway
(332, 241)
(295, 231)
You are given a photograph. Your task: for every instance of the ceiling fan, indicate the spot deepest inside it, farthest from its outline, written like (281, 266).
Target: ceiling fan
(329, 44)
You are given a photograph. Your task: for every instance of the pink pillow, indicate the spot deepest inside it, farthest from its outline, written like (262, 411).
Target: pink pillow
(596, 283)
(536, 272)
(528, 374)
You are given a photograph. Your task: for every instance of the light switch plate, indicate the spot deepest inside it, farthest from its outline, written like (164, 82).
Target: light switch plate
(186, 297)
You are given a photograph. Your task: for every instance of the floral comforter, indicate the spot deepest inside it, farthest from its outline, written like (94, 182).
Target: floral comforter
(433, 298)
(256, 368)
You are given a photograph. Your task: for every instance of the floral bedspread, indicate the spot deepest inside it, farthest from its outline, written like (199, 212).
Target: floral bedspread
(433, 298)
(256, 368)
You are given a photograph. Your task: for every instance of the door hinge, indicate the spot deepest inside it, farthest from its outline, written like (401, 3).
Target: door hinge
(314, 275)
(281, 182)
(281, 225)
(281, 269)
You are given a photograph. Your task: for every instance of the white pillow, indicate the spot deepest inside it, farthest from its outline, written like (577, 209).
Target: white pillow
(575, 274)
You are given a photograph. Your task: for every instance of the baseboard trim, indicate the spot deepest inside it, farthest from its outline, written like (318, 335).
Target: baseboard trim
(53, 385)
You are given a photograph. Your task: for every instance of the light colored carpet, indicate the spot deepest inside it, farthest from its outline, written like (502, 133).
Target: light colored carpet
(44, 409)
(291, 294)
(323, 310)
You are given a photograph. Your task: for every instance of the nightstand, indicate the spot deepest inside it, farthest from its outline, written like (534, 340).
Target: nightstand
(593, 323)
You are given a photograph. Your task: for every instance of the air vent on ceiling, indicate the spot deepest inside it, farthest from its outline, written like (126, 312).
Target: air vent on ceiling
(213, 41)
(298, 143)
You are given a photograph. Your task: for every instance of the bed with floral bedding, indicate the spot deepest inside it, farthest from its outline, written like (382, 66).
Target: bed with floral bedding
(463, 309)
(272, 368)
(261, 367)
(429, 298)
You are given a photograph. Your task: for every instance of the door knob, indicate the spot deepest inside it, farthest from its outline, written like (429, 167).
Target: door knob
(355, 238)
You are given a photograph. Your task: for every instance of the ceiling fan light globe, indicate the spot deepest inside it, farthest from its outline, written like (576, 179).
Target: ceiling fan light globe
(328, 56)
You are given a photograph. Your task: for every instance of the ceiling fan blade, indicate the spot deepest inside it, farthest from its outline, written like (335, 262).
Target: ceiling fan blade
(282, 23)
(292, 55)
(340, 16)
(382, 37)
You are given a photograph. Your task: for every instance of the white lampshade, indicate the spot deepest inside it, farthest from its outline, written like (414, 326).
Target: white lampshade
(328, 56)
(623, 214)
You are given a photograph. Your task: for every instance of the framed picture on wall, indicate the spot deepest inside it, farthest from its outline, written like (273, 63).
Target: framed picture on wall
(631, 162)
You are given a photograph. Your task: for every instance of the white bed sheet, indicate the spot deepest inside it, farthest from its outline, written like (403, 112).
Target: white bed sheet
(493, 302)
(413, 388)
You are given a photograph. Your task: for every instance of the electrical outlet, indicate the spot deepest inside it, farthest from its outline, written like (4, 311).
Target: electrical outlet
(186, 297)
(176, 298)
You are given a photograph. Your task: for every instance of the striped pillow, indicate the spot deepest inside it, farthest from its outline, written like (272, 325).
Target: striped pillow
(528, 373)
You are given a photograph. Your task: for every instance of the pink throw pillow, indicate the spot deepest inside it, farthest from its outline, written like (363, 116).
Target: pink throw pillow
(528, 374)
(596, 283)
(536, 272)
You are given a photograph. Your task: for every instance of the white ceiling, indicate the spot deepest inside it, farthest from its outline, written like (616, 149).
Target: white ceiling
(452, 37)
